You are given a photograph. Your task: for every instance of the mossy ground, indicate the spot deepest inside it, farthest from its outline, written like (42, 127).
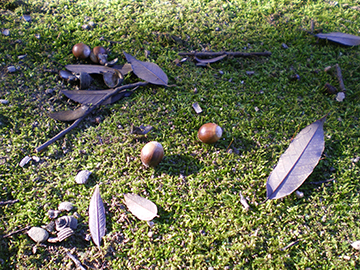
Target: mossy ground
(201, 223)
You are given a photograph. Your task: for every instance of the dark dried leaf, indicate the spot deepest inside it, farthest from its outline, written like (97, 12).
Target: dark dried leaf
(92, 97)
(124, 69)
(342, 38)
(97, 218)
(113, 78)
(211, 60)
(69, 115)
(147, 71)
(142, 130)
(91, 69)
(298, 161)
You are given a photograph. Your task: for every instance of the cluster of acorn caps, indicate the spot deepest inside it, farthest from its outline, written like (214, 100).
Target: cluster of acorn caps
(153, 152)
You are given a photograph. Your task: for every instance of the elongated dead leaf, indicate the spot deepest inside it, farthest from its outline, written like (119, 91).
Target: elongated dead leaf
(147, 71)
(298, 161)
(97, 218)
(342, 38)
(140, 207)
(210, 60)
(69, 115)
(89, 97)
(97, 69)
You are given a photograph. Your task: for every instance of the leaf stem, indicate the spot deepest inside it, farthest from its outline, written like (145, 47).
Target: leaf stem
(89, 110)
(8, 202)
(340, 78)
(233, 54)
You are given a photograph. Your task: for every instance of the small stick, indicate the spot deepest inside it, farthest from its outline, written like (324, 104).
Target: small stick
(321, 182)
(290, 245)
(215, 54)
(8, 202)
(89, 110)
(340, 77)
(227, 149)
(15, 232)
(76, 261)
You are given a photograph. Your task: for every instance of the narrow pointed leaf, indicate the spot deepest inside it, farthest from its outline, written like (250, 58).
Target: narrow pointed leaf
(90, 69)
(342, 38)
(69, 115)
(140, 207)
(97, 218)
(89, 97)
(97, 69)
(298, 161)
(147, 71)
(210, 60)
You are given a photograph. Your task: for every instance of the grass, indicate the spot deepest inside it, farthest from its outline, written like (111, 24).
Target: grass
(201, 223)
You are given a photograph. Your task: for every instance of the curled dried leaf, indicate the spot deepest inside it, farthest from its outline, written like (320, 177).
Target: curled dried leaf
(140, 207)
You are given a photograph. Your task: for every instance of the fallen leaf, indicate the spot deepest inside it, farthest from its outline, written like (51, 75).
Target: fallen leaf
(97, 218)
(147, 71)
(356, 245)
(140, 207)
(142, 130)
(69, 115)
(89, 97)
(298, 161)
(342, 38)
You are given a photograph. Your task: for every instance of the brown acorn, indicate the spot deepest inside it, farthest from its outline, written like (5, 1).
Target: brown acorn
(152, 154)
(98, 55)
(81, 50)
(209, 133)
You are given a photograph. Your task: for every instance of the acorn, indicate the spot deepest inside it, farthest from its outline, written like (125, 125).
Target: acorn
(81, 50)
(152, 154)
(209, 133)
(98, 55)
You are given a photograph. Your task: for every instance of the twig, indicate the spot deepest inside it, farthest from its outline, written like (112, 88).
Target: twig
(8, 202)
(233, 54)
(321, 182)
(290, 245)
(15, 232)
(76, 261)
(340, 78)
(89, 110)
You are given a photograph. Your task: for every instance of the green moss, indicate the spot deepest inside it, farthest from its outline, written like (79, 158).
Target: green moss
(201, 221)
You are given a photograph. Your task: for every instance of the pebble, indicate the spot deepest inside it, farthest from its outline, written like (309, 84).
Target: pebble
(65, 206)
(11, 69)
(299, 194)
(82, 177)
(38, 234)
(6, 32)
(35, 158)
(340, 96)
(27, 18)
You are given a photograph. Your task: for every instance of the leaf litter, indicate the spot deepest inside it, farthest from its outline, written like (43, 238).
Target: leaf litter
(298, 161)
(97, 218)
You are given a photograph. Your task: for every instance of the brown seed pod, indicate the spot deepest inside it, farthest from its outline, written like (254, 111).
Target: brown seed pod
(152, 154)
(81, 50)
(98, 55)
(209, 133)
